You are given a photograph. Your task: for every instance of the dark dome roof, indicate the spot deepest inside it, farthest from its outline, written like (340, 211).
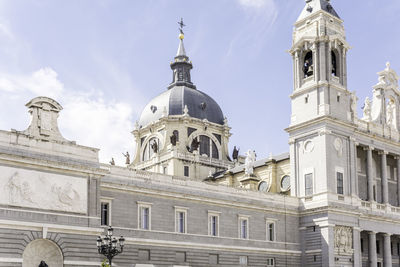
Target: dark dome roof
(173, 101)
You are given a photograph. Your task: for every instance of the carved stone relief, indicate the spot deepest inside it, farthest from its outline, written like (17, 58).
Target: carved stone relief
(33, 189)
(308, 146)
(338, 145)
(343, 239)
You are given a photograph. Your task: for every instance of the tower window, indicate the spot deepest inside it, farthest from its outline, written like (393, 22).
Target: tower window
(152, 147)
(306, 99)
(334, 64)
(308, 68)
(339, 183)
(338, 98)
(308, 184)
(186, 171)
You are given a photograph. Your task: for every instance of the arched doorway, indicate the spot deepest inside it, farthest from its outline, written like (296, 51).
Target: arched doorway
(42, 250)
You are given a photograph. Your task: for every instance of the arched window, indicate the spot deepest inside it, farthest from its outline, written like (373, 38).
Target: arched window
(334, 64)
(308, 68)
(149, 149)
(207, 147)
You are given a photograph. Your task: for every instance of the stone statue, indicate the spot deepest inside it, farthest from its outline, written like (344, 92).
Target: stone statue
(127, 157)
(235, 153)
(154, 146)
(172, 138)
(390, 112)
(367, 110)
(249, 162)
(43, 264)
(195, 145)
(112, 162)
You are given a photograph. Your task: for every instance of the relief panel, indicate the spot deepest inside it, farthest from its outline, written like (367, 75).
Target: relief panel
(34, 189)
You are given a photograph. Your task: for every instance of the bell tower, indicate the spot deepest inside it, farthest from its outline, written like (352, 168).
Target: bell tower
(319, 53)
(323, 109)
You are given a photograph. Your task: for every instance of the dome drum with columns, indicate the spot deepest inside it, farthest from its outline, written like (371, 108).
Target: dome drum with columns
(183, 130)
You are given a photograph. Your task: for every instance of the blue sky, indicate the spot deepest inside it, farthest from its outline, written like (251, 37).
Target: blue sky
(104, 60)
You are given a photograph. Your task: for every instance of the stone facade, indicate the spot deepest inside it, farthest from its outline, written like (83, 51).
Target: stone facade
(333, 200)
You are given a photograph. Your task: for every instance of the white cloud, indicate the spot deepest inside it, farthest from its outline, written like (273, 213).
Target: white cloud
(88, 118)
(257, 3)
(43, 82)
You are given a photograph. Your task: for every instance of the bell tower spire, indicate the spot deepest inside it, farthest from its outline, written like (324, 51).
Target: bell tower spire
(182, 65)
(319, 52)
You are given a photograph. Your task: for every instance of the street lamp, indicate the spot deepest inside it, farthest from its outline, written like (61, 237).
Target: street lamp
(108, 245)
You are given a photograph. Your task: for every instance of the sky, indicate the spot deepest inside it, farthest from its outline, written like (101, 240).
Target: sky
(104, 60)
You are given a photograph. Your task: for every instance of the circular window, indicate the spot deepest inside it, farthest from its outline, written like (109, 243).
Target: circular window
(263, 187)
(285, 183)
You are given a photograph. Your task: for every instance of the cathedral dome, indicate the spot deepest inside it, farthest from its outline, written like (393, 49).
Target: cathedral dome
(173, 102)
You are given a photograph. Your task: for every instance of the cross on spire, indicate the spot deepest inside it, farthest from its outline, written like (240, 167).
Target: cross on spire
(181, 25)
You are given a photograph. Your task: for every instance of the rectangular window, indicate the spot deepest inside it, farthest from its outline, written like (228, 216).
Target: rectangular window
(180, 220)
(271, 262)
(213, 224)
(186, 171)
(214, 259)
(180, 257)
(309, 184)
(271, 231)
(164, 170)
(398, 249)
(243, 260)
(105, 213)
(144, 215)
(339, 183)
(243, 227)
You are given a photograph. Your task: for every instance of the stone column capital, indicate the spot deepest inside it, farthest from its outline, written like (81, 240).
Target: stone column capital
(371, 232)
(368, 148)
(387, 234)
(383, 152)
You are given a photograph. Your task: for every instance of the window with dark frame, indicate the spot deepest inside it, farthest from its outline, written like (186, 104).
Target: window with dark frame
(339, 181)
(105, 213)
(186, 171)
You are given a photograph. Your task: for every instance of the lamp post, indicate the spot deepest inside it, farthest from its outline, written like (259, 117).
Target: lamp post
(109, 246)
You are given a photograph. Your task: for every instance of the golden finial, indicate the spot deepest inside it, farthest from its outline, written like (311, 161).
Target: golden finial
(181, 25)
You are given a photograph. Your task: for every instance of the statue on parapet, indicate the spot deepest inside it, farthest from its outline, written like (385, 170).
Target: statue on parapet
(127, 158)
(112, 162)
(249, 162)
(235, 153)
(367, 110)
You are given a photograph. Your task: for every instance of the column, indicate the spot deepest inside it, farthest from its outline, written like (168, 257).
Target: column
(372, 258)
(357, 247)
(385, 190)
(387, 253)
(370, 174)
(398, 180)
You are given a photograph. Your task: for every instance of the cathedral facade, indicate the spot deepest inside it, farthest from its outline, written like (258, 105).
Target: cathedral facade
(332, 200)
